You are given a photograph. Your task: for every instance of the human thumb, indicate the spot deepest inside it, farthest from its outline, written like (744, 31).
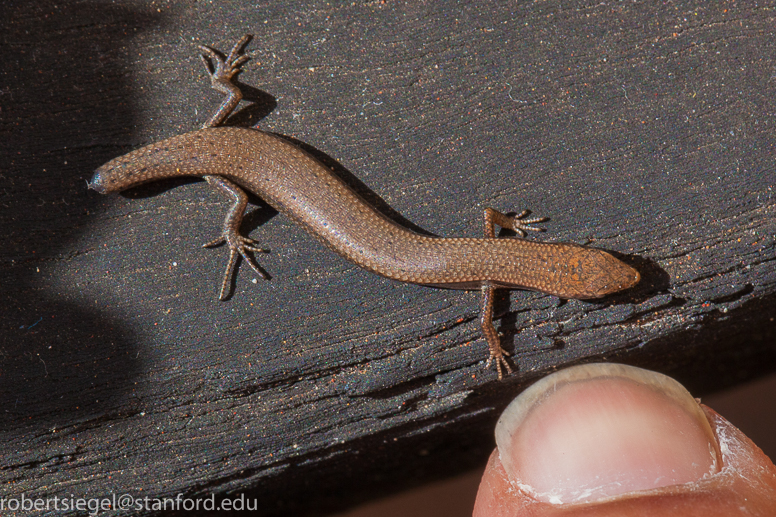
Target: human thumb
(606, 439)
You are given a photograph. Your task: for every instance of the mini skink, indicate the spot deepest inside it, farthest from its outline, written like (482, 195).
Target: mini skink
(293, 182)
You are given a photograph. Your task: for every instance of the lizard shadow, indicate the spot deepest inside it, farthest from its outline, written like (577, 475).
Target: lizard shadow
(262, 105)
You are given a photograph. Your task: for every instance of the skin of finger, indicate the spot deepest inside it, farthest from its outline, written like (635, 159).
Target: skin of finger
(747, 480)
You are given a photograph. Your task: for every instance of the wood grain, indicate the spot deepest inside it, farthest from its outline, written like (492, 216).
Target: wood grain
(643, 129)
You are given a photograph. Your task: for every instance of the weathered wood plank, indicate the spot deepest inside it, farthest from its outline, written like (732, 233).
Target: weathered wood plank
(638, 128)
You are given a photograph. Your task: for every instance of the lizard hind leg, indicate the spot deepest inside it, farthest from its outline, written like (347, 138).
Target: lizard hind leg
(222, 70)
(239, 245)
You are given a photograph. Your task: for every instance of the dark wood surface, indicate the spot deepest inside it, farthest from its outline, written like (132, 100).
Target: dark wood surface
(644, 129)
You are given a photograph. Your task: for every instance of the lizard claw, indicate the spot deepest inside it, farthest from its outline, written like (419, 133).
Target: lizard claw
(500, 361)
(223, 68)
(522, 225)
(239, 246)
(221, 71)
